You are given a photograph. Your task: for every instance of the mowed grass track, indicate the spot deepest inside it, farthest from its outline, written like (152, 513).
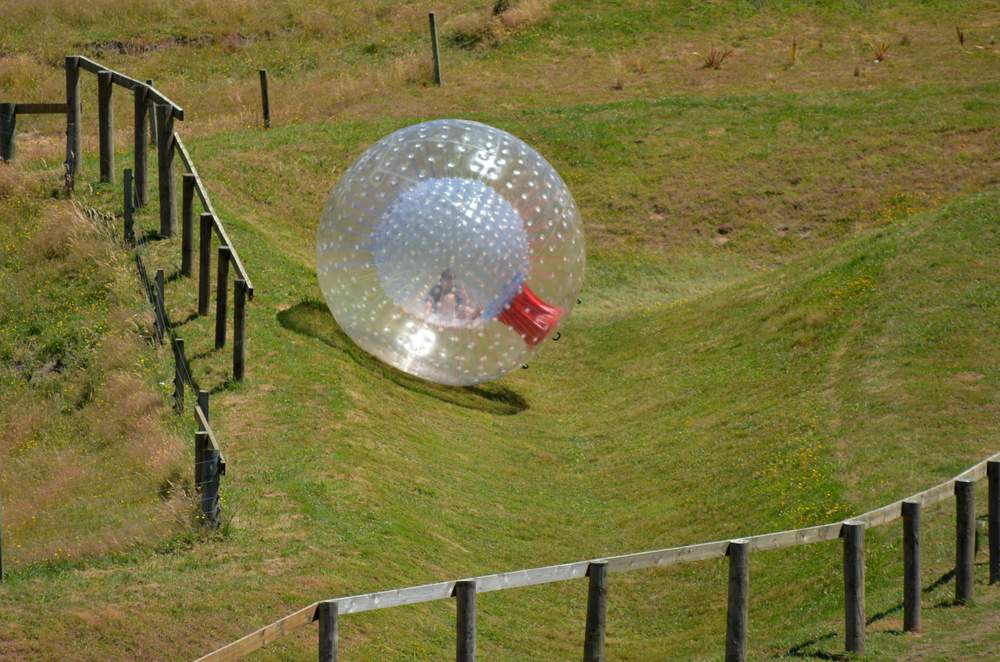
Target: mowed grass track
(835, 352)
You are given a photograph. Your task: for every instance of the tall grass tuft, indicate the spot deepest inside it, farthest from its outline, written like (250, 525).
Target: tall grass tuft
(716, 57)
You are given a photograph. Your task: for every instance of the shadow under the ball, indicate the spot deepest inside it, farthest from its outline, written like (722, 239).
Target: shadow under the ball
(312, 318)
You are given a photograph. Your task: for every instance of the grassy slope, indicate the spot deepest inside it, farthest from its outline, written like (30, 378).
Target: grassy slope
(692, 398)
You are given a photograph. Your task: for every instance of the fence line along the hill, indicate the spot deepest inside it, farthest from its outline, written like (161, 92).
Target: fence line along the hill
(851, 531)
(209, 462)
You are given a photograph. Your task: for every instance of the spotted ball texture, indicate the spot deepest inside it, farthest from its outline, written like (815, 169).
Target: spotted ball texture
(450, 250)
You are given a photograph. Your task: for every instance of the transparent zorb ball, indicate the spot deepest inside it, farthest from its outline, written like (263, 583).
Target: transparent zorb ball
(450, 250)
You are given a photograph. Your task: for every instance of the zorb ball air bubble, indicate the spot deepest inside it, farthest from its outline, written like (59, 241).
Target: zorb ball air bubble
(450, 250)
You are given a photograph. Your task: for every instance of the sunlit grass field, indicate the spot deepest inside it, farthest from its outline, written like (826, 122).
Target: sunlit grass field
(790, 316)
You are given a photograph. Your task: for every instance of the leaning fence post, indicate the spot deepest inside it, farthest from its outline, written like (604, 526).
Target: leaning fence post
(239, 328)
(911, 566)
(140, 140)
(436, 50)
(736, 615)
(165, 164)
(178, 375)
(161, 309)
(73, 156)
(465, 626)
(329, 632)
(993, 477)
(597, 609)
(204, 261)
(187, 223)
(853, 534)
(965, 534)
(221, 297)
(105, 125)
(129, 207)
(8, 130)
(264, 101)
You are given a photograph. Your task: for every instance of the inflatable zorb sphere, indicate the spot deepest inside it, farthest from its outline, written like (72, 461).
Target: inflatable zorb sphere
(450, 250)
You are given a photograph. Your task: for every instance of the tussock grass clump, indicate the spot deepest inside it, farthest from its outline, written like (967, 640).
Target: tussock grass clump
(715, 57)
(494, 27)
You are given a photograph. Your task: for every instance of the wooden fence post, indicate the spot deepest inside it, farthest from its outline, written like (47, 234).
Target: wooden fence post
(465, 639)
(129, 207)
(152, 114)
(8, 131)
(200, 444)
(187, 223)
(239, 328)
(105, 125)
(161, 308)
(203, 402)
(597, 609)
(329, 632)
(140, 142)
(221, 297)
(434, 47)
(853, 534)
(178, 375)
(210, 485)
(165, 163)
(3, 567)
(993, 476)
(739, 586)
(73, 156)
(204, 261)
(965, 534)
(911, 566)
(264, 100)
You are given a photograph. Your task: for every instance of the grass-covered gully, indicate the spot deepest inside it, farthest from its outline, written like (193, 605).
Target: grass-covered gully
(790, 316)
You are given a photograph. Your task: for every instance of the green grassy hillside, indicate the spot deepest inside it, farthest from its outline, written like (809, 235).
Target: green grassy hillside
(789, 317)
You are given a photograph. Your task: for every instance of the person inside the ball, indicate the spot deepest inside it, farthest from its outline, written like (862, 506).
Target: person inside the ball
(449, 300)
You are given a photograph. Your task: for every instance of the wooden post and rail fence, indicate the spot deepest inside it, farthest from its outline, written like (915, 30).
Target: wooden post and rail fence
(850, 532)
(150, 104)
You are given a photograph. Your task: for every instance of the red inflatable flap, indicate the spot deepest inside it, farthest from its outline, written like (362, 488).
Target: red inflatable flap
(531, 317)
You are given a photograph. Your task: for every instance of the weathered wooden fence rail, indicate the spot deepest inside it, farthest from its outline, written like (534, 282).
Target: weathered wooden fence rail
(851, 532)
(8, 122)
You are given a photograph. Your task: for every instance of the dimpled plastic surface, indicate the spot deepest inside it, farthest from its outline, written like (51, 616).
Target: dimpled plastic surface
(450, 250)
